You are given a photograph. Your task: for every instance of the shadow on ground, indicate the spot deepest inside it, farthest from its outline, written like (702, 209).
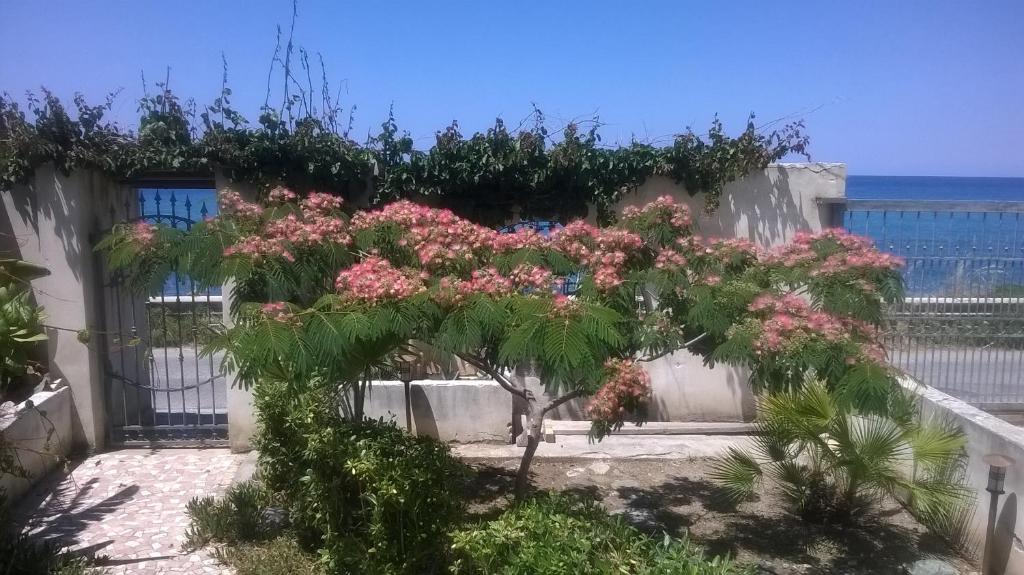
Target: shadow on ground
(58, 508)
(679, 500)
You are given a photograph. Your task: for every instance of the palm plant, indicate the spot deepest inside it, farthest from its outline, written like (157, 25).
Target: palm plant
(834, 463)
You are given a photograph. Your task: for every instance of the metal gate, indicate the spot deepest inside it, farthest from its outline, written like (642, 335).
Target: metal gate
(961, 326)
(160, 388)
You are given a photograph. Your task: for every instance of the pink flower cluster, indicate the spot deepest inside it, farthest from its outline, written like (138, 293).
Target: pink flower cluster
(441, 240)
(604, 252)
(489, 281)
(439, 237)
(310, 230)
(669, 259)
(321, 204)
(524, 238)
(663, 210)
(860, 261)
(788, 320)
(278, 311)
(628, 387)
(281, 195)
(314, 225)
(733, 247)
(375, 280)
(232, 204)
(564, 307)
(842, 237)
(525, 276)
(856, 254)
(142, 234)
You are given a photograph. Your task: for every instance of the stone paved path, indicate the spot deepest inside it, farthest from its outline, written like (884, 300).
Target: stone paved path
(129, 506)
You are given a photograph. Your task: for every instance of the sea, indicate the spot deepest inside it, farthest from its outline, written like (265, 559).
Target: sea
(960, 236)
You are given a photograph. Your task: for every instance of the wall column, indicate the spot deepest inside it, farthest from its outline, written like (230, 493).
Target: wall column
(51, 222)
(241, 411)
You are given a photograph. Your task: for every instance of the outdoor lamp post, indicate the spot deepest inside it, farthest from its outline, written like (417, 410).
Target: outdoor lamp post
(997, 465)
(407, 372)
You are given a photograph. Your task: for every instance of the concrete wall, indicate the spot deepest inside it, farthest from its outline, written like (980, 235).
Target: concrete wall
(52, 222)
(40, 436)
(767, 207)
(465, 411)
(986, 434)
(241, 411)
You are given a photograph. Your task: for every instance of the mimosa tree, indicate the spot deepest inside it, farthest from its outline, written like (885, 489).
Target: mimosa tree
(325, 297)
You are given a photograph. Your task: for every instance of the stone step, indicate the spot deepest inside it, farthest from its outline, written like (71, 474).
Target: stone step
(657, 428)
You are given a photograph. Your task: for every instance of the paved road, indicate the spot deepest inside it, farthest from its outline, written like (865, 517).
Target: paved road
(186, 387)
(976, 375)
(188, 371)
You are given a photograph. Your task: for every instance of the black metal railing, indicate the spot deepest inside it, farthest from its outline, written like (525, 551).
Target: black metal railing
(961, 326)
(161, 388)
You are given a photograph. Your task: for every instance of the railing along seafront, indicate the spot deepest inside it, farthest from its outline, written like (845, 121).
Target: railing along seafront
(961, 326)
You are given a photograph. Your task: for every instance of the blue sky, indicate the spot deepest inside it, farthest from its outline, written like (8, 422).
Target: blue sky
(900, 88)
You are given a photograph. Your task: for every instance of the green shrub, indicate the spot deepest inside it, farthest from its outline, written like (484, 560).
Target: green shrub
(20, 320)
(280, 556)
(556, 535)
(834, 463)
(235, 518)
(370, 497)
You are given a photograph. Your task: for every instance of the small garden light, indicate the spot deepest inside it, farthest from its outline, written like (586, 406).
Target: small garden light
(408, 370)
(997, 465)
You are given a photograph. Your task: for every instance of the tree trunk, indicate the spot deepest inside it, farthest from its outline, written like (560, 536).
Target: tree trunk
(534, 422)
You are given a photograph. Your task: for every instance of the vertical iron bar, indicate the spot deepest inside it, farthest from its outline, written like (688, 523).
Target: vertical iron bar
(1017, 346)
(176, 276)
(195, 323)
(163, 316)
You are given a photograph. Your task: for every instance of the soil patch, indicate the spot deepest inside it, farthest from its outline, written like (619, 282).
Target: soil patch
(679, 498)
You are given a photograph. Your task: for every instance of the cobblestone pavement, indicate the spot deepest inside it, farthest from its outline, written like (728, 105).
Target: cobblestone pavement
(128, 507)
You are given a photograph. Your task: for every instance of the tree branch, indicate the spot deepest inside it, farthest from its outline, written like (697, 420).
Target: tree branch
(557, 402)
(482, 364)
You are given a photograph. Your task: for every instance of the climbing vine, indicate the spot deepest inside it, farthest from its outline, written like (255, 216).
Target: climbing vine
(487, 176)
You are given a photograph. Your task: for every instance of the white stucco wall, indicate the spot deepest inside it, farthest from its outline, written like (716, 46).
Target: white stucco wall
(40, 436)
(986, 434)
(465, 411)
(241, 411)
(767, 207)
(52, 222)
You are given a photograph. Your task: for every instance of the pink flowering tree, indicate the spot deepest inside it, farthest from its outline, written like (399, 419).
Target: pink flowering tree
(326, 298)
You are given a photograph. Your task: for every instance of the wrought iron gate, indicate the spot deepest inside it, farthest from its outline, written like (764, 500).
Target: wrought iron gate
(961, 326)
(161, 389)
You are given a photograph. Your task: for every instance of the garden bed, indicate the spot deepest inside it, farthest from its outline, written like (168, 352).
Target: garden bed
(678, 497)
